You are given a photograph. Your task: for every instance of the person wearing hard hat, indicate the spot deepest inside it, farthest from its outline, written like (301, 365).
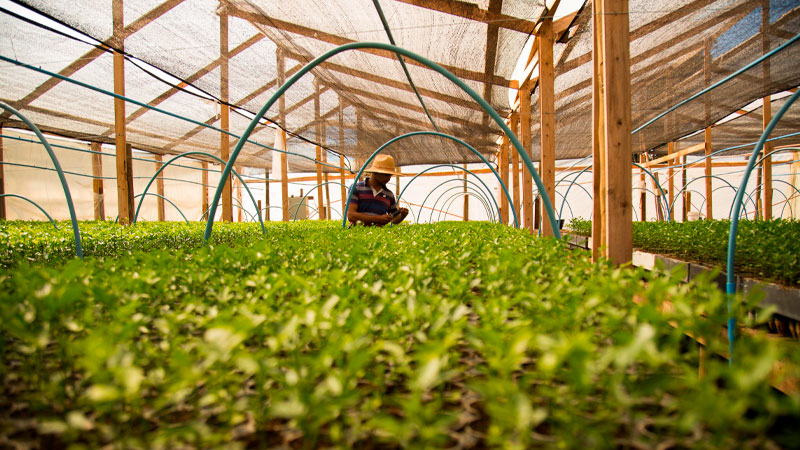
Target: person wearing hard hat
(372, 203)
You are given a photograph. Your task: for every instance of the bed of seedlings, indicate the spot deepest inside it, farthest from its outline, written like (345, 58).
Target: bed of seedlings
(453, 335)
(765, 249)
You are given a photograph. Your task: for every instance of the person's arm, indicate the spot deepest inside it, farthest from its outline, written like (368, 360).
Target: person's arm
(367, 219)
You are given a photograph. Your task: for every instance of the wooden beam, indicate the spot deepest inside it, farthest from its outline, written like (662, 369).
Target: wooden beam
(708, 171)
(263, 20)
(525, 132)
(515, 168)
(503, 162)
(767, 162)
(671, 175)
(98, 199)
(466, 197)
(491, 16)
(281, 70)
(225, 139)
(684, 181)
(642, 194)
(160, 188)
(599, 185)
(547, 165)
(204, 190)
(2, 178)
(613, 135)
(123, 149)
(95, 53)
(318, 137)
(341, 150)
(675, 155)
(266, 195)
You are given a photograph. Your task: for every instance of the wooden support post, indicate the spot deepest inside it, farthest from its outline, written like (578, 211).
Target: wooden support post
(525, 132)
(515, 169)
(341, 153)
(503, 163)
(670, 177)
(687, 197)
(318, 129)
(612, 130)
(686, 205)
(266, 196)
(225, 143)
(282, 120)
(643, 193)
(767, 163)
(2, 179)
(466, 198)
(160, 188)
(97, 182)
(659, 201)
(123, 149)
(204, 180)
(326, 176)
(709, 190)
(280, 144)
(239, 198)
(547, 166)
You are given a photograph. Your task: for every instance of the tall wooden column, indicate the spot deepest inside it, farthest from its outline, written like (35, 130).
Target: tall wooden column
(266, 195)
(341, 153)
(502, 158)
(160, 188)
(466, 198)
(671, 177)
(515, 169)
(547, 165)
(123, 149)
(98, 200)
(225, 142)
(318, 130)
(525, 133)
(612, 130)
(684, 181)
(284, 158)
(643, 193)
(708, 167)
(2, 179)
(767, 163)
(326, 176)
(204, 181)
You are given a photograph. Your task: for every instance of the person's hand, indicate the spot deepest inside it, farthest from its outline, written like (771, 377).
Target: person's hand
(383, 219)
(403, 212)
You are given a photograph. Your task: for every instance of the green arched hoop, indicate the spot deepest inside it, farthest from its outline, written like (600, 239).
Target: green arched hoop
(34, 204)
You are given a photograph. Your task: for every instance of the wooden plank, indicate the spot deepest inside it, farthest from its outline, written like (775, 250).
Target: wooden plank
(492, 34)
(686, 204)
(515, 168)
(490, 16)
(613, 136)
(466, 198)
(98, 199)
(2, 179)
(204, 180)
(671, 175)
(160, 188)
(642, 194)
(547, 165)
(503, 162)
(598, 125)
(675, 155)
(225, 141)
(708, 172)
(341, 149)
(266, 196)
(318, 137)
(525, 132)
(281, 71)
(767, 162)
(123, 149)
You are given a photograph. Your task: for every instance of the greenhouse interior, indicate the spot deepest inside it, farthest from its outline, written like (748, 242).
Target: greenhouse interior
(399, 224)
